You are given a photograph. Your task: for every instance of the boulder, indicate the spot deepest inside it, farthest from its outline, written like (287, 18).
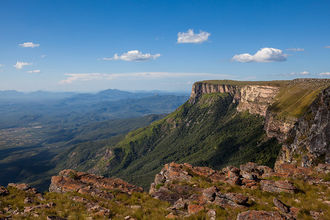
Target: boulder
(194, 208)
(260, 215)
(21, 186)
(237, 198)
(209, 194)
(53, 217)
(277, 186)
(281, 206)
(90, 184)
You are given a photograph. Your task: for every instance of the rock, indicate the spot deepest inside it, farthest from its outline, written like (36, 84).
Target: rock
(281, 206)
(28, 200)
(260, 215)
(249, 183)
(194, 208)
(237, 198)
(166, 195)
(171, 216)
(286, 169)
(180, 204)
(294, 212)
(84, 183)
(53, 217)
(135, 207)
(22, 186)
(209, 194)
(316, 215)
(277, 186)
(229, 200)
(323, 168)
(3, 191)
(211, 214)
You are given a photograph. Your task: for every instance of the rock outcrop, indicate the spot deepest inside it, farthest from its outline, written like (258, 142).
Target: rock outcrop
(252, 98)
(85, 183)
(178, 191)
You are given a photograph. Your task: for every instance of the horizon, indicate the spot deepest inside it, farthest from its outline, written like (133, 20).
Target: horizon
(151, 91)
(84, 46)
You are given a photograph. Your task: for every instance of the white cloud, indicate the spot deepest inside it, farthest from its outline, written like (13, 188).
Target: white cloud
(327, 47)
(264, 55)
(72, 77)
(1, 65)
(296, 49)
(43, 56)
(20, 65)
(191, 37)
(325, 74)
(304, 73)
(33, 71)
(29, 44)
(134, 55)
(300, 73)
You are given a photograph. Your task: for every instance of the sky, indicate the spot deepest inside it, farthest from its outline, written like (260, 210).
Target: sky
(67, 45)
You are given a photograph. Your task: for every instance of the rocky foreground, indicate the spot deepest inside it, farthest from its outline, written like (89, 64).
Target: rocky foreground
(179, 191)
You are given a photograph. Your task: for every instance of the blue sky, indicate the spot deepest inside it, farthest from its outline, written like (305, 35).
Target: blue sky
(65, 45)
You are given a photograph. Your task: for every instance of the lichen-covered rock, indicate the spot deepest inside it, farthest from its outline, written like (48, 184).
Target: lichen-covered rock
(277, 186)
(194, 208)
(260, 215)
(281, 206)
(21, 186)
(84, 183)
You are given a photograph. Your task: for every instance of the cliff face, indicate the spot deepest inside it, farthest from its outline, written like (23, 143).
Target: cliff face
(252, 98)
(256, 99)
(309, 140)
(305, 133)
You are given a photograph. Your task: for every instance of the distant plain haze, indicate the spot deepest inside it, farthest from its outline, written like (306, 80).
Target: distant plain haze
(71, 45)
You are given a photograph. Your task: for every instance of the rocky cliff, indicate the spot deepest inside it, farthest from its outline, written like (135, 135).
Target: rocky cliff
(296, 113)
(252, 98)
(309, 140)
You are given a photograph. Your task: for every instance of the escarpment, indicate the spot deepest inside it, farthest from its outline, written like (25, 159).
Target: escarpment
(296, 113)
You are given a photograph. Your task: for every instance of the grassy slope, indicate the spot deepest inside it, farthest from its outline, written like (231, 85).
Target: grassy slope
(208, 133)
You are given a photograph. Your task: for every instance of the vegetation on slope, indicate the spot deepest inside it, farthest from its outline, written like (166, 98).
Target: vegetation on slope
(208, 133)
(295, 97)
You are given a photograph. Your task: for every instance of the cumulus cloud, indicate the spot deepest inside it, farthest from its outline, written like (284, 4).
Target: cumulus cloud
(191, 37)
(20, 65)
(134, 55)
(325, 74)
(72, 77)
(296, 49)
(33, 71)
(29, 44)
(264, 55)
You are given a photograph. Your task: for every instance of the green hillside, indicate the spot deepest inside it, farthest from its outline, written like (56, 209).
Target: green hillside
(208, 133)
